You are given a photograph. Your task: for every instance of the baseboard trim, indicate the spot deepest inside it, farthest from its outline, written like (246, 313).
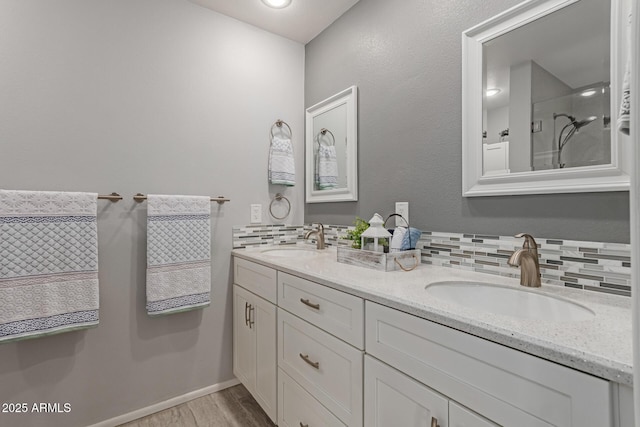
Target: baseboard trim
(161, 406)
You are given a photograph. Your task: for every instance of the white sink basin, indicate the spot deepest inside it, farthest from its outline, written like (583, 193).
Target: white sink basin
(294, 252)
(508, 301)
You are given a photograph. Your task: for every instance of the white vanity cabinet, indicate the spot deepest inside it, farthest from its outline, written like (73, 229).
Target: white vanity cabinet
(506, 386)
(254, 334)
(323, 357)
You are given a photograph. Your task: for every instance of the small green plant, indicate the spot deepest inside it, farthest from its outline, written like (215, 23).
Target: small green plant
(360, 226)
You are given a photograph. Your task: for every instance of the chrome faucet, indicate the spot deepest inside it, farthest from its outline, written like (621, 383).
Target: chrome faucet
(527, 259)
(319, 233)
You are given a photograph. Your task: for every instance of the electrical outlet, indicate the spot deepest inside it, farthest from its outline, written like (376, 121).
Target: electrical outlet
(402, 208)
(536, 126)
(256, 214)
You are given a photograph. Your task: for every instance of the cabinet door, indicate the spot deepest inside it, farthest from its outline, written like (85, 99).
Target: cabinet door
(244, 340)
(393, 399)
(460, 416)
(262, 317)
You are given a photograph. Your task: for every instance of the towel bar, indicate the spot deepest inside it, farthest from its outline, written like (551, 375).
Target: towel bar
(114, 197)
(220, 199)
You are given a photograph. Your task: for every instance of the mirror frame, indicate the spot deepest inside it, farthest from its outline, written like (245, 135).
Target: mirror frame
(350, 192)
(609, 177)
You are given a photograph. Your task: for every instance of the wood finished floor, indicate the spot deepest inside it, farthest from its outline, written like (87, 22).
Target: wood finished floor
(232, 407)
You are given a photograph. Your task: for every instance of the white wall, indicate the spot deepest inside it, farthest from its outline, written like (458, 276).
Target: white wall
(152, 96)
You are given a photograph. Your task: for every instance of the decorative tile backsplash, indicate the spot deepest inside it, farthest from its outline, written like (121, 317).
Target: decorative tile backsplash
(592, 266)
(280, 234)
(263, 234)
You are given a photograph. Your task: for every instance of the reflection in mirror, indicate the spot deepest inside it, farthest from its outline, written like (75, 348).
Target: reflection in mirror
(330, 156)
(546, 92)
(331, 149)
(541, 87)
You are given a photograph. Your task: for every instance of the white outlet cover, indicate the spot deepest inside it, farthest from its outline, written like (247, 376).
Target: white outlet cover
(402, 208)
(256, 214)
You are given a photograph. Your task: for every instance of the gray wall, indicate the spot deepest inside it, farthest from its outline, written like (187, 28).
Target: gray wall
(152, 96)
(405, 58)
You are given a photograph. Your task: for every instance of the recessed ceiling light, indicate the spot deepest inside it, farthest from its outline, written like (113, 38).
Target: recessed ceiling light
(588, 92)
(277, 4)
(492, 92)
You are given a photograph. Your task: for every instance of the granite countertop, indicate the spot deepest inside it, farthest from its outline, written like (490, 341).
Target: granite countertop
(601, 346)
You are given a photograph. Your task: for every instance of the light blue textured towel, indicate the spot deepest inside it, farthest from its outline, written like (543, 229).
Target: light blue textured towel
(327, 167)
(49, 263)
(411, 238)
(178, 253)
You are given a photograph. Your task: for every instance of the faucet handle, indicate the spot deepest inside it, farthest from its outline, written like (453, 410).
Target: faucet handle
(529, 241)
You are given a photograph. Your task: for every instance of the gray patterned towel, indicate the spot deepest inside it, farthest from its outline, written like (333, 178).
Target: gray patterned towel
(178, 253)
(282, 169)
(48, 263)
(327, 170)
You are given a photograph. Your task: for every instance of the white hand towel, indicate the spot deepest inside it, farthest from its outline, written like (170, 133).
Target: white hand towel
(624, 116)
(49, 268)
(282, 168)
(178, 253)
(327, 170)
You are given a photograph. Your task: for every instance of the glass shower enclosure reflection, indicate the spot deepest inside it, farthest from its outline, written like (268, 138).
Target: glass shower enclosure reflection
(572, 130)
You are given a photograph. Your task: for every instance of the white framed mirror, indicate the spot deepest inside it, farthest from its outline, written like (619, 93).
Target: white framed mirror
(541, 90)
(331, 149)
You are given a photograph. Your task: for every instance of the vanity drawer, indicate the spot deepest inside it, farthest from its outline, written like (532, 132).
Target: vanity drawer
(256, 278)
(460, 416)
(328, 368)
(298, 408)
(336, 312)
(505, 385)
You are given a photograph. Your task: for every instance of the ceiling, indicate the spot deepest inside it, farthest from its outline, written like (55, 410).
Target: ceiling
(301, 21)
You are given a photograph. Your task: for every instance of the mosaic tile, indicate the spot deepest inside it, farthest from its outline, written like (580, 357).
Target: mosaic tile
(592, 266)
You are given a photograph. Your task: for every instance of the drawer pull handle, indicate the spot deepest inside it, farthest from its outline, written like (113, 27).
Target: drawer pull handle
(251, 322)
(434, 422)
(310, 304)
(303, 425)
(246, 313)
(305, 357)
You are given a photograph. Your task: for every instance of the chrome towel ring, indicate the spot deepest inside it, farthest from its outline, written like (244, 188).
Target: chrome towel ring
(279, 124)
(278, 198)
(324, 132)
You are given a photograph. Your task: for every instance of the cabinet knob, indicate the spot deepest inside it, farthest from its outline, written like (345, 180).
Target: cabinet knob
(303, 425)
(434, 422)
(305, 357)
